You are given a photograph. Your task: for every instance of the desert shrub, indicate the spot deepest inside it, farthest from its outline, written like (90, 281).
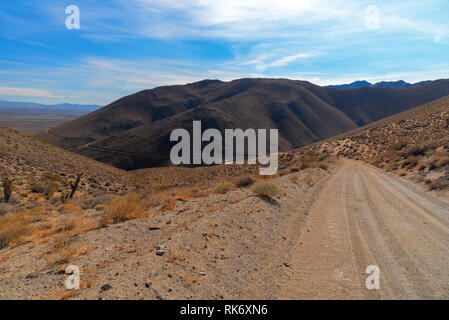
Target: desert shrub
(161, 188)
(13, 226)
(222, 188)
(63, 251)
(51, 177)
(100, 199)
(416, 151)
(324, 165)
(62, 255)
(310, 158)
(399, 145)
(402, 173)
(6, 208)
(294, 169)
(422, 166)
(442, 162)
(71, 206)
(410, 162)
(306, 165)
(266, 189)
(124, 207)
(244, 181)
(323, 156)
(440, 183)
(283, 172)
(431, 165)
(45, 187)
(7, 188)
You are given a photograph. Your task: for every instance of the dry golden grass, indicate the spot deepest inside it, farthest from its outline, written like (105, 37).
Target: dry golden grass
(244, 181)
(63, 251)
(266, 189)
(71, 206)
(14, 227)
(294, 178)
(295, 169)
(324, 165)
(308, 181)
(169, 205)
(222, 188)
(402, 173)
(125, 207)
(442, 162)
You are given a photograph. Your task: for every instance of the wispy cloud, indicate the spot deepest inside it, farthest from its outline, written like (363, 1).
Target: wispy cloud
(26, 92)
(126, 46)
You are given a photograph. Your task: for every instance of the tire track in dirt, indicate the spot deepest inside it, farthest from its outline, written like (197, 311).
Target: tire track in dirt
(367, 217)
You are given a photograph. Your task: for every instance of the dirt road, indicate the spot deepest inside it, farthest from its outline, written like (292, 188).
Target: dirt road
(364, 217)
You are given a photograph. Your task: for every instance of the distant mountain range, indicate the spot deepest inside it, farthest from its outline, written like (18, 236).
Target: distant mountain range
(383, 84)
(30, 107)
(134, 131)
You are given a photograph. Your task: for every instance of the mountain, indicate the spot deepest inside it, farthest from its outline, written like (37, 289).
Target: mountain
(133, 132)
(413, 143)
(29, 107)
(383, 84)
(355, 84)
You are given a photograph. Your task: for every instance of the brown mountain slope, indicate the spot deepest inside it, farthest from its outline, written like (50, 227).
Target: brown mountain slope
(134, 131)
(39, 170)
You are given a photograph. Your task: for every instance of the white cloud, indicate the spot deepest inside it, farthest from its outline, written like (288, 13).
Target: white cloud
(26, 92)
(238, 19)
(288, 59)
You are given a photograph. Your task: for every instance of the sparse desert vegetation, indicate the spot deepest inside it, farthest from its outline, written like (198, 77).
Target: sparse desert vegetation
(244, 181)
(125, 207)
(414, 144)
(57, 198)
(266, 189)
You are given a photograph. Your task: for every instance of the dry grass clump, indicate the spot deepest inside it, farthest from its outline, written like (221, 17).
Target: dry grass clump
(307, 165)
(410, 162)
(440, 183)
(45, 187)
(442, 162)
(70, 206)
(125, 207)
(244, 181)
(222, 188)
(266, 189)
(13, 227)
(324, 165)
(402, 173)
(399, 145)
(63, 251)
(310, 158)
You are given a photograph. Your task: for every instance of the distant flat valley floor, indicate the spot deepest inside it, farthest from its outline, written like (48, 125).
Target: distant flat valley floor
(32, 123)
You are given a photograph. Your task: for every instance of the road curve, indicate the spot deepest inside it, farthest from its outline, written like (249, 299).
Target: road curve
(364, 217)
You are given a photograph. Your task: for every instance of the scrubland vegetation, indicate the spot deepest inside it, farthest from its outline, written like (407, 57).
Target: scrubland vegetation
(414, 145)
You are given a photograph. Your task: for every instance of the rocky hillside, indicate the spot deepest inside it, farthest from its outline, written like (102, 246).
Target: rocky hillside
(133, 132)
(414, 143)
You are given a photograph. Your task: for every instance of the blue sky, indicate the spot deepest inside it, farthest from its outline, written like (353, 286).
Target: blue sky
(124, 46)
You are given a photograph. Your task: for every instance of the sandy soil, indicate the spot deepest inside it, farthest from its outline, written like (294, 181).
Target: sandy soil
(365, 217)
(314, 241)
(230, 246)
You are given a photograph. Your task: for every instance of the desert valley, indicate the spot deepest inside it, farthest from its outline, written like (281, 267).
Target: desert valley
(363, 180)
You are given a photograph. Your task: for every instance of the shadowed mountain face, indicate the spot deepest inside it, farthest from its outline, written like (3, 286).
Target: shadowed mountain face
(134, 132)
